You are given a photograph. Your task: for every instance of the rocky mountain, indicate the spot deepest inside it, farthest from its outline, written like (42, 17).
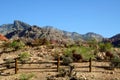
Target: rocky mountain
(23, 30)
(115, 37)
(115, 40)
(92, 36)
(17, 25)
(36, 32)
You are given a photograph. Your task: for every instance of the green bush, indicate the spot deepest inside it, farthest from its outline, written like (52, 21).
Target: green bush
(103, 47)
(17, 44)
(26, 76)
(86, 52)
(115, 62)
(23, 57)
(67, 60)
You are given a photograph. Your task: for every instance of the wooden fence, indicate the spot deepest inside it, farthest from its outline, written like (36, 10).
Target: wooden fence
(58, 66)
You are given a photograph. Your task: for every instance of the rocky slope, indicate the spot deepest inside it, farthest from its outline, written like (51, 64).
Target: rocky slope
(20, 29)
(115, 40)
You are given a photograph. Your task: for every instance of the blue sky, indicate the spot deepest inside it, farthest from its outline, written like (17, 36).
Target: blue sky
(82, 16)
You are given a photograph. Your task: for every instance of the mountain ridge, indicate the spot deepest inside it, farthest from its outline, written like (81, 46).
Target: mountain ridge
(22, 29)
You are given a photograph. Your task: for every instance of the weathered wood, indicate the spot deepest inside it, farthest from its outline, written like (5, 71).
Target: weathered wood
(42, 62)
(90, 65)
(16, 66)
(87, 67)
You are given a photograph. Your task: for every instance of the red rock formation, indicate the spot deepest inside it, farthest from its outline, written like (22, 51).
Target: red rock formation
(3, 38)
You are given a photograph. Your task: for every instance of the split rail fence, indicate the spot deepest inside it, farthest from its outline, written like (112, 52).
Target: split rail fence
(57, 63)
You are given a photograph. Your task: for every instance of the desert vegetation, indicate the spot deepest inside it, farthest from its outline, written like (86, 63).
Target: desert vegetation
(32, 54)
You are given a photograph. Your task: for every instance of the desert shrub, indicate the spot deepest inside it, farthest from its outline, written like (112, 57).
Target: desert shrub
(17, 44)
(103, 47)
(67, 60)
(115, 62)
(23, 57)
(55, 56)
(44, 41)
(109, 55)
(26, 76)
(62, 72)
(38, 42)
(85, 52)
(93, 43)
(77, 57)
(68, 74)
(5, 46)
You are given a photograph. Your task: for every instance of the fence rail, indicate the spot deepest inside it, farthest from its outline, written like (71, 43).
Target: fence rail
(57, 66)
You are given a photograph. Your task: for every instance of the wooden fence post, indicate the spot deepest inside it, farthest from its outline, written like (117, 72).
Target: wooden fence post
(90, 65)
(16, 66)
(58, 63)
